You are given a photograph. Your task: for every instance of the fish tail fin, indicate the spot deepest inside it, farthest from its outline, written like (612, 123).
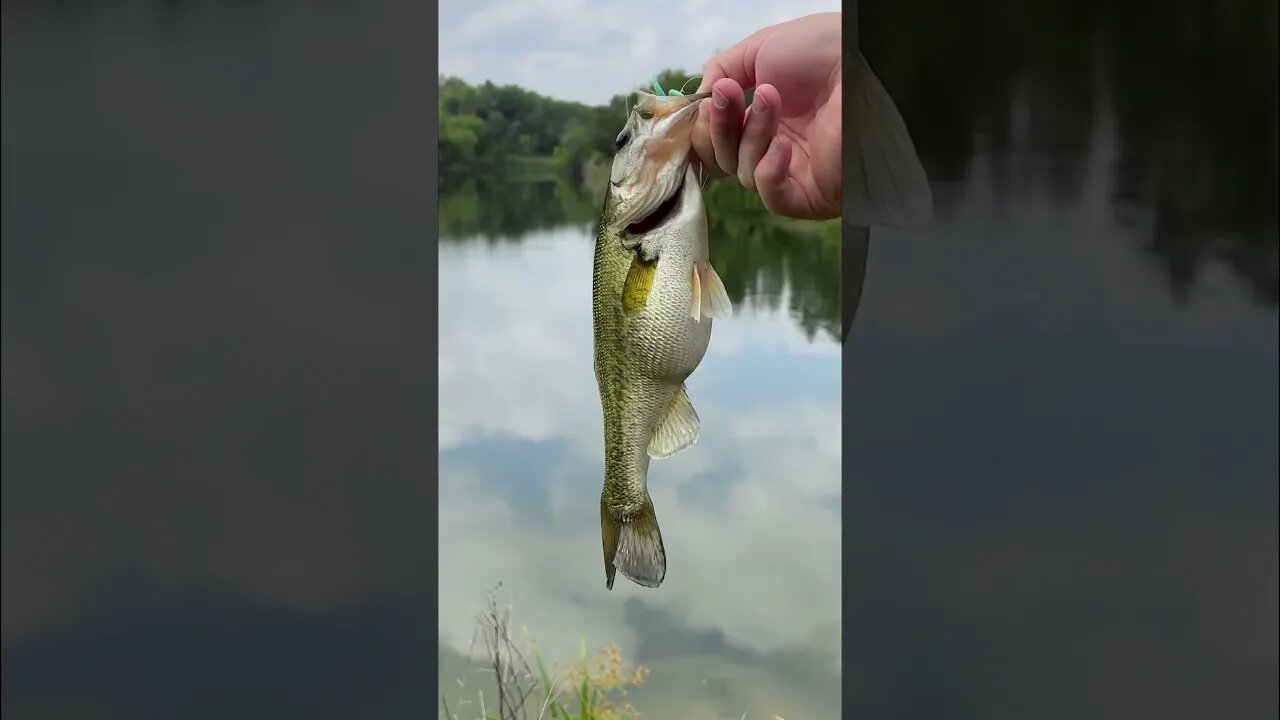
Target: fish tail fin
(885, 184)
(633, 545)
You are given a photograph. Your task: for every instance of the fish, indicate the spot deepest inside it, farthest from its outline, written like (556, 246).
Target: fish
(884, 182)
(654, 296)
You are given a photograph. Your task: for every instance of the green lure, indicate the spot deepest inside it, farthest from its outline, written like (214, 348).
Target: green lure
(657, 88)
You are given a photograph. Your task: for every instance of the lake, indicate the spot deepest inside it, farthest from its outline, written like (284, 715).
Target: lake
(1061, 433)
(748, 618)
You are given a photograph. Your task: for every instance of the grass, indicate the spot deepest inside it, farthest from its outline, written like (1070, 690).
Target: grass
(592, 689)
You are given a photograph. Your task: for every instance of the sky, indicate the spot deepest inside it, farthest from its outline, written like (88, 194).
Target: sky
(510, 375)
(520, 485)
(588, 50)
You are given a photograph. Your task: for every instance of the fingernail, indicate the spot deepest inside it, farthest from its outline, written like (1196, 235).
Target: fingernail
(760, 104)
(718, 99)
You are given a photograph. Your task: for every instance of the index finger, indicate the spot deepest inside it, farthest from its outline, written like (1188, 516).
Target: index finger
(738, 63)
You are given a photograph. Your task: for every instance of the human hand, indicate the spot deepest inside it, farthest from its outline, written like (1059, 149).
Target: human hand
(787, 146)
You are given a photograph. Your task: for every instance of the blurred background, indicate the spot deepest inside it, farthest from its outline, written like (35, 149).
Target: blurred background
(1060, 443)
(218, 255)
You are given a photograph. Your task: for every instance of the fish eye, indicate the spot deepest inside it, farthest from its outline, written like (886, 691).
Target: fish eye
(623, 139)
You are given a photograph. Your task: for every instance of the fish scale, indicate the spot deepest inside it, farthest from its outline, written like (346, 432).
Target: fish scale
(654, 296)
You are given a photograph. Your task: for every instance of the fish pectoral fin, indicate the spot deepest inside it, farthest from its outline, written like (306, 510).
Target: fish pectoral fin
(636, 288)
(713, 298)
(695, 294)
(678, 429)
(886, 184)
(633, 545)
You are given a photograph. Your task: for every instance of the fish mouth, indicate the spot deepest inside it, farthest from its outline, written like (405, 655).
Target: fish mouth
(666, 210)
(677, 107)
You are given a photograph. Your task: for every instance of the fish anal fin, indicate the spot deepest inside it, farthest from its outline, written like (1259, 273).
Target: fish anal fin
(678, 429)
(713, 298)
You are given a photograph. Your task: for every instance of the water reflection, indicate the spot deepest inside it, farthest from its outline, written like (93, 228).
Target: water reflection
(495, 209)
(1189, 86)
(1062, 423)
(762, 260)
(521, 467)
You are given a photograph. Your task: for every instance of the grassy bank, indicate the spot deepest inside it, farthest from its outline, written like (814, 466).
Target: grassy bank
(513, 688)
(513, 684)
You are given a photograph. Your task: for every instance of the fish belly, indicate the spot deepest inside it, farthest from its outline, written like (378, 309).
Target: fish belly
(665, 342)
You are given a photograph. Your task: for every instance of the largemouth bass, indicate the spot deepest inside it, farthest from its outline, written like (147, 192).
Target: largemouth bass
(654, 297)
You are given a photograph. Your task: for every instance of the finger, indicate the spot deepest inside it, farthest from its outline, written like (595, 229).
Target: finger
(702, 147)
(718, 128)
(728, 104)
(779, 191)
(702, 140)
(762, 125)
(736, 63)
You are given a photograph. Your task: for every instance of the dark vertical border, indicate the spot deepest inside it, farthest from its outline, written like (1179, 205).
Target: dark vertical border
(853, 255)
(855, 243)
(853, 265)
(855, 240)
(431, 274)
(208, 659)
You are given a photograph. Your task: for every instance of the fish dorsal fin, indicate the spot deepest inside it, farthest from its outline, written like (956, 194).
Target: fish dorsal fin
(711, 296)
(678, 429)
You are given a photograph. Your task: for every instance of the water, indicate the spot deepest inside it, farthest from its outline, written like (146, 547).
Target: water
(748, 617)
(1061, 433)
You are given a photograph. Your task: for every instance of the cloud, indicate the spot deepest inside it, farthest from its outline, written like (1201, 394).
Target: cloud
(515, 339)
(515, 358)
(591, 51)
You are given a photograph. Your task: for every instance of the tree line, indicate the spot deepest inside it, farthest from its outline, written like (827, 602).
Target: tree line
(488, 127)
(489, 132)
